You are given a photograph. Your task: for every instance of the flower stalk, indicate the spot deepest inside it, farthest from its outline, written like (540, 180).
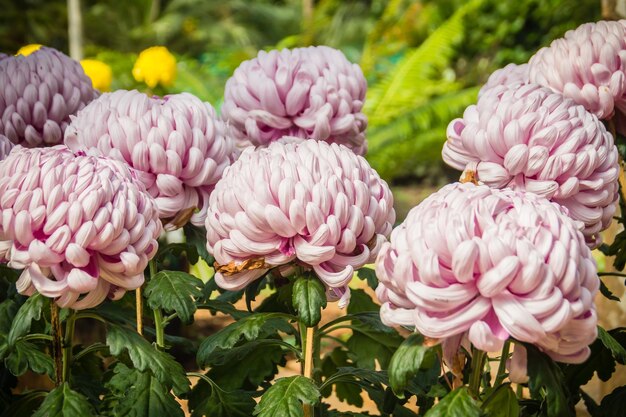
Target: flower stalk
(67, 345)
(56, 343)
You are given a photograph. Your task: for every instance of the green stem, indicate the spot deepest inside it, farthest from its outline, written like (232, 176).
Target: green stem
(89, 315)
(502, 366)
(37, 336)
(302, 329)
(159, 324)
(478, 363)
(67, 345)
(55, 324)
(159, 327)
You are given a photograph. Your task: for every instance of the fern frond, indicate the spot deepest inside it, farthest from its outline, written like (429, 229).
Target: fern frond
(407, 83)
(415, 137)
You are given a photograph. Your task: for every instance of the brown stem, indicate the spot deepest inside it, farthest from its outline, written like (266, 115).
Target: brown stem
(308, 364)
(56, 343)
(139, 310)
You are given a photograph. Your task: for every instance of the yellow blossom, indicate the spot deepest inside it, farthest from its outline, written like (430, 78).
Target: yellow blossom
(28, 49)
(155, 65)
(100, 73)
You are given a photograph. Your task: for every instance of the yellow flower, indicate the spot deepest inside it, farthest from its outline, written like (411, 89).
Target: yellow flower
(100, 73)
(28, 49)
(155, 65)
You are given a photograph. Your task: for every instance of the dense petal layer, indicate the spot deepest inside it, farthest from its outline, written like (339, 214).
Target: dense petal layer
(489, 264)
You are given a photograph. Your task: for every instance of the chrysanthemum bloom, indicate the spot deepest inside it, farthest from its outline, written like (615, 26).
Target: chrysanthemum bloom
(529, 138)
(512, 74)
(312, 92)
(38, 93)
(297, 202)
(175, 143)
(99, 72)
(28, 49)
(80, 227)
(155, 65)
(491, 264)
(587, 65)
(5, 147)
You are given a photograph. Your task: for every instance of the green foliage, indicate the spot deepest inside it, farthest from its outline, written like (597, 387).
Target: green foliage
(502, 402)
(546, 381)
(24, 356)
(64, 402)
(146, 358)
(369, 275)
(174, 291)
(247, 329)
(140, 394)
(309, 298)
(286, 396)
(369, 344)
(210, 400)
(29, 311)
(405, 363)
(458, 403)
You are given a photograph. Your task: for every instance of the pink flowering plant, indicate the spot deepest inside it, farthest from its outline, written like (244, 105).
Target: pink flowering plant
(125, 215)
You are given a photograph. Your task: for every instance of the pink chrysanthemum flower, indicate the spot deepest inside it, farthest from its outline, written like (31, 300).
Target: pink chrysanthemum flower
(38, 93)
(303, 202)
(588, 65)
(312, 92)
(511, 74)
(79, 227)
(491, 264)
(528, 138)
(175, 143)
(5, 147)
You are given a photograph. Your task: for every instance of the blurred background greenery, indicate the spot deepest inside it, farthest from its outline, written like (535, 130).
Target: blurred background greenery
(424, 60)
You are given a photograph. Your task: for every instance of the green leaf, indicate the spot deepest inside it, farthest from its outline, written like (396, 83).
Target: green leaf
(286, 396)
(196, 236)
(29, 311)
(24, 356)
(224, 307)
(458, 403)
(140, 394)
(361, 302)
(545, 377)
(64, 402)
(406, 362)
(246, 366)
(369, 275)
(248, 328)
(502, 403)
(346, 391)
(614, 404)
(367, 344)
(146, 357)
(174, 291)
(212, 401)
(87, 373)
(309, 298)
(619, 353)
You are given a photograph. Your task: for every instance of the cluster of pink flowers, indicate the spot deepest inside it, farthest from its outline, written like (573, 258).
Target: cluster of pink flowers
(491, 264)
(312, 92)
(526, 137)
(38, 93)
(80, 227)
(511, 257)
(303, 202)
(176, 145)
